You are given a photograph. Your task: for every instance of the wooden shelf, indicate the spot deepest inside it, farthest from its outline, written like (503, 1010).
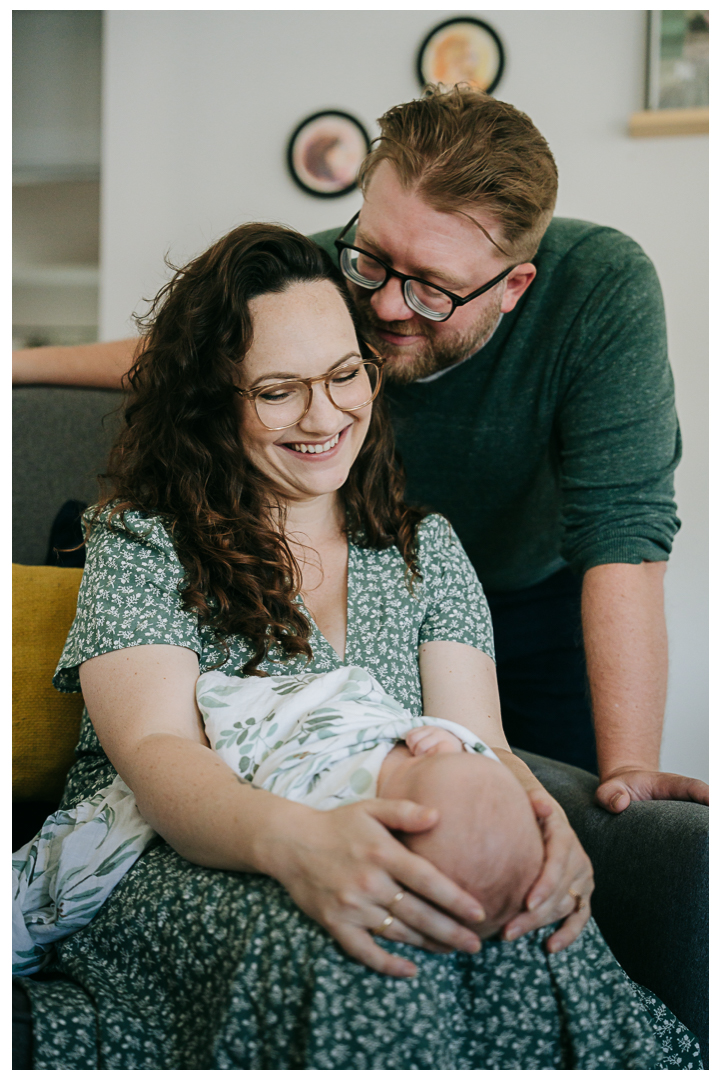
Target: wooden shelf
(24, 176)
(654, 122)
(77, 275)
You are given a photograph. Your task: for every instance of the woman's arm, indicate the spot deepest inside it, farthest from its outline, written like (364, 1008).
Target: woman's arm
(459, 683)
(342, 867)
(102, 364)
(142, 704)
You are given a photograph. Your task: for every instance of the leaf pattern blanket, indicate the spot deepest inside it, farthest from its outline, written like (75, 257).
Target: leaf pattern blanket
(63, 876)
(316, 739)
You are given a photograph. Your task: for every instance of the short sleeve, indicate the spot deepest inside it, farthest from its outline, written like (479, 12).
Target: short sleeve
(456, 606)
(129, 596)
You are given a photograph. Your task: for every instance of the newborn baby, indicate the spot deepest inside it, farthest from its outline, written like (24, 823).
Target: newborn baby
(331, 739)
(487, 838)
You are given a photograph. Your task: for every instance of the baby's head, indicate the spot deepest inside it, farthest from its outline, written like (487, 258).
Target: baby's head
(487, 838)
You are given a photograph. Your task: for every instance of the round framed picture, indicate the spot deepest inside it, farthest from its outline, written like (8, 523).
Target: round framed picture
(462, 50)
(325, 152)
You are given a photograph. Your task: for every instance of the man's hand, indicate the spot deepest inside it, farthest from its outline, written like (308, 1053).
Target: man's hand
(624, 786)
(626, 650)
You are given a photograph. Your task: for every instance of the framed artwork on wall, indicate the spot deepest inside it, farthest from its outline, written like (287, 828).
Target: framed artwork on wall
(678, 67)
(325, 152)
(677, 75)
(463, 49)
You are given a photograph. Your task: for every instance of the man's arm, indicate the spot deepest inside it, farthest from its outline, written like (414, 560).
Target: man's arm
(619, 444)
(102, 364)
(627, 660)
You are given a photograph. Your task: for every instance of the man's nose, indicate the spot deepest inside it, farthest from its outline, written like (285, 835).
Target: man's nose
(389, 302)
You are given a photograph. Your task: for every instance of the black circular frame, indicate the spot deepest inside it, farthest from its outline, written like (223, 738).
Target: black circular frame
(291, 148)
(475, 22)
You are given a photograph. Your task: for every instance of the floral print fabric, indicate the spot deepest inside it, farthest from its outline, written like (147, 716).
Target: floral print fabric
(186, 967)
(129, 596)
(190, 968)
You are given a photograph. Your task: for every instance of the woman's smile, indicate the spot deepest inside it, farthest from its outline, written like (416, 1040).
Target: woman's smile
(315, 450)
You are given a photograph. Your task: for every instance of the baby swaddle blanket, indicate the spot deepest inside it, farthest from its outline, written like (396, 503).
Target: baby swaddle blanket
(63, 876)
(317, 739)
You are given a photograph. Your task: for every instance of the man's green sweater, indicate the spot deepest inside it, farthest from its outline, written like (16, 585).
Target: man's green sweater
(556, 443)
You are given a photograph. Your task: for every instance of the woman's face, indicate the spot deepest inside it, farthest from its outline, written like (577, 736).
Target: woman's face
(300, 333)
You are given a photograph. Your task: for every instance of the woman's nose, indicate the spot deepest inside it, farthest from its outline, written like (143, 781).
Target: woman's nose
(323, 415)
(389, 302)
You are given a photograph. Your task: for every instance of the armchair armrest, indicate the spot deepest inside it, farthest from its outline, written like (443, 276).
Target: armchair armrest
(651, 887)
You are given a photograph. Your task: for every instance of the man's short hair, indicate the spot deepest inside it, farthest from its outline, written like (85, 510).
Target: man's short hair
(462, 149)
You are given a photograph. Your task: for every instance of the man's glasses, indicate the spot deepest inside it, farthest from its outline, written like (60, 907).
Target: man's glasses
(430, 301)
(350, 386)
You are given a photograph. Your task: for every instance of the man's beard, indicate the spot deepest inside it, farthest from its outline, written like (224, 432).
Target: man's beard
(435, 354)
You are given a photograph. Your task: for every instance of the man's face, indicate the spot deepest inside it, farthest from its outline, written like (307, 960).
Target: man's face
(400, 228)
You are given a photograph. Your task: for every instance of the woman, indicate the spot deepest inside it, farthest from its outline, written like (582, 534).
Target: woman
(255, 523)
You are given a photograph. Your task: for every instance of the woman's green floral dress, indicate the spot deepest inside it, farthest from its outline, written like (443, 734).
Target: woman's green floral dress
(190, 968)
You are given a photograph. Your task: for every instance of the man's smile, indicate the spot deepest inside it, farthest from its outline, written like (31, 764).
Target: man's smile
(393, 338)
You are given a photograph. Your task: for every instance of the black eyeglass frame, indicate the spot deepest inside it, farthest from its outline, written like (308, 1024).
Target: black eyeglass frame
(253, 394)
(457, 301)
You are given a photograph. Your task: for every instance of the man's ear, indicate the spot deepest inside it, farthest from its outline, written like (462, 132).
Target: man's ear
(518, 280)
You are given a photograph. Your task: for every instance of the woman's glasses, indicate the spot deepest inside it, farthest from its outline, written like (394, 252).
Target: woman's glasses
(350, 386)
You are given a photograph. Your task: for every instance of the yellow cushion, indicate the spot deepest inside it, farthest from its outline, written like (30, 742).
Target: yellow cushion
(45, 722)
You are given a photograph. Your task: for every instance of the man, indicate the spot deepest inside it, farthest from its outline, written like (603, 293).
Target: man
(533, 404)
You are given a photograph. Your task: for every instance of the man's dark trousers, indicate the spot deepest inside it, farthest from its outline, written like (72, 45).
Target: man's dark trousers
(541, 670)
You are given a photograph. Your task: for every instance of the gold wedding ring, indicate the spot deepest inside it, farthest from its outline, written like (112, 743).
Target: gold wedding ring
(580, 901)
(387, 921)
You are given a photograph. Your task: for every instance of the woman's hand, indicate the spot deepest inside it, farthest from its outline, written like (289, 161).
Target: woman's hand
(347, 872)
(459, 683)
(566, 881)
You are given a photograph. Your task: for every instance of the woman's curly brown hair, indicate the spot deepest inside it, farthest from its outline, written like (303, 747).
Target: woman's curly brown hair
(180, 453)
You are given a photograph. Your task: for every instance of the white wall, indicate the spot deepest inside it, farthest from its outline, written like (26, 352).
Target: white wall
(197, 110)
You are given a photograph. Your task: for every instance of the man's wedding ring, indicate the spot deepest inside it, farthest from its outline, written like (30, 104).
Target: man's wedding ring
(387, 921)
(580, 901)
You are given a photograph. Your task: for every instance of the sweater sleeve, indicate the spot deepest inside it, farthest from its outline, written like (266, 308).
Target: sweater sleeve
(618, 431)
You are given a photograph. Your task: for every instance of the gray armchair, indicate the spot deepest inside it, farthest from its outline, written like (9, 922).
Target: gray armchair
(651, 862)
(651, 888)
